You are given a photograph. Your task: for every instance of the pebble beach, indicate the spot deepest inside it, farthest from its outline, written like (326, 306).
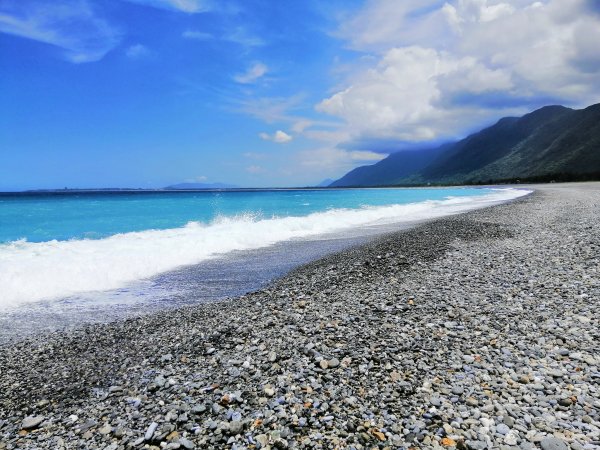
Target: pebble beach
(476, 331)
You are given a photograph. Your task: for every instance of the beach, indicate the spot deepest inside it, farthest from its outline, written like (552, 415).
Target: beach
(479, 330)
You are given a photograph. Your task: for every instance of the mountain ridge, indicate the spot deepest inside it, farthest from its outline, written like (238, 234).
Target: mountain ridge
(548, 143)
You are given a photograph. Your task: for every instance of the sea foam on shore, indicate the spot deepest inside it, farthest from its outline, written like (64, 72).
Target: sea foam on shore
(32, 271)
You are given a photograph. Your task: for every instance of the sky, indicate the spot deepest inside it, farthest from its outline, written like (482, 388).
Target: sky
(262, 93)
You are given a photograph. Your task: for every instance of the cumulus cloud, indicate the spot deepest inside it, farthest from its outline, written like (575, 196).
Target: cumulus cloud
(442, 68)
(280, 137)
(256, 71)
(400, 95)
(71, 26)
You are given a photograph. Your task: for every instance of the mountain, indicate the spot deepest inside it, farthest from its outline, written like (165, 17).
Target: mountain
(325, 183)
(197, 186)
(552, 143)
(390, 170)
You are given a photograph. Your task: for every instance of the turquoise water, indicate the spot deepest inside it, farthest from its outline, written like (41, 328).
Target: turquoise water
(44, 217)
(59, 246)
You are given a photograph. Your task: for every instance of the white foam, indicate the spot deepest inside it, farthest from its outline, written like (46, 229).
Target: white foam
(56, 269)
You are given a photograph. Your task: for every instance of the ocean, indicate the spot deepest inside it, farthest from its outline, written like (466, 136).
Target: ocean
(58, 250)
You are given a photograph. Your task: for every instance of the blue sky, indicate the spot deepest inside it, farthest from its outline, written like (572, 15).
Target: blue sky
(146, 93)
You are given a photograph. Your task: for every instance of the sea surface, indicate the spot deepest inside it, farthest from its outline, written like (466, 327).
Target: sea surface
(81, 256)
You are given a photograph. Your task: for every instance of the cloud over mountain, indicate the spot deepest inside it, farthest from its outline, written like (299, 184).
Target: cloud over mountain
(432, 70)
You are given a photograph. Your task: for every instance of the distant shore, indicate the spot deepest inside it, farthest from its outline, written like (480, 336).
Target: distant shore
(474, 331)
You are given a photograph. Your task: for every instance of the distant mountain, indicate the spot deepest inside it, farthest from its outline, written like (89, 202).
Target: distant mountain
(552, 143)
(196, 186)
(391, 170)
(326, 182)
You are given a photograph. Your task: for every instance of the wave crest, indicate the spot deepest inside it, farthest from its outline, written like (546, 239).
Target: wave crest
(56, 269)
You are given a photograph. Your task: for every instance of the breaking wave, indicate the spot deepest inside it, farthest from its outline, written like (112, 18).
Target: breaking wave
(56, 269)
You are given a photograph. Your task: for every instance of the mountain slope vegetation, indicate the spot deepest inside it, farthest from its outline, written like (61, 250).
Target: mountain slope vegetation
(553, 142)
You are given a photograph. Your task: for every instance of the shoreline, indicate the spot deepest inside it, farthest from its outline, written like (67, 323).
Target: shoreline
(229, 274)
(394, 343)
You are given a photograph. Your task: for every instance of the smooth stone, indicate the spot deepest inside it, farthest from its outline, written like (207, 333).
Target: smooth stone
(106, 429)
(510, 438)
(187, 443)
(236, 427)
(435, 401)
(565, 402)
(32, 422)
(262, 439)
(199, 409)
(552, 443)
(471, 401)
(269, 391)
(334, 362)
(150, 431)
(555, 373)
(476, 445)
(502, 428)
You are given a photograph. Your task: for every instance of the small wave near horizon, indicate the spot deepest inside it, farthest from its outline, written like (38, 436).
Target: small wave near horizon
(34, 271)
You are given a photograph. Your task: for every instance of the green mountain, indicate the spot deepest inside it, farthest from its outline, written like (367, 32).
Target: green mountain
(391, 170)
(552, 143)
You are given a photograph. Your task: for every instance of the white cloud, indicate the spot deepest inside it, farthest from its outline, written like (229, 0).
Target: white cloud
(186, 6)
(383, 24)
(244, 38)
(285, 110)
(256, 71)
(137, 51)
(254, 169)
(272, 109)
(72, 26)
(300, 125)
(199, 35)
(440, 69)
(238, 36)
(331, 136)
(255, 155)
(398, 97)
(333, 160)
(280, 137)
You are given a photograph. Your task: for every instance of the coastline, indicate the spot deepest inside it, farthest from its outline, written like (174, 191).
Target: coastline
(139, 275)
(427, 337)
